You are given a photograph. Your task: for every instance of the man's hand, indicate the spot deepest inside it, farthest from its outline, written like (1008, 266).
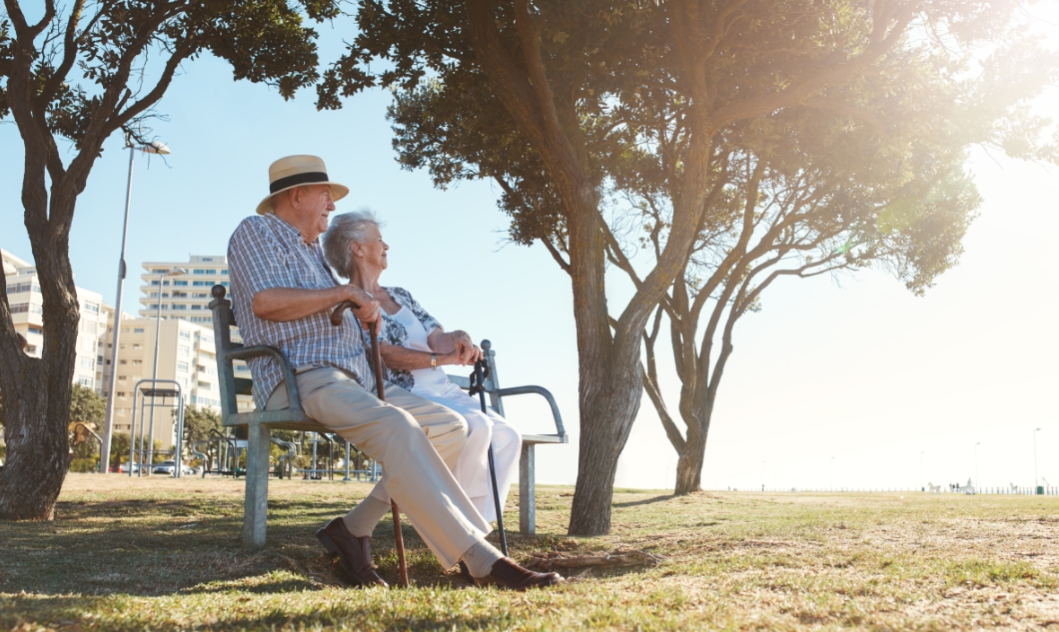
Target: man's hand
(368, 312)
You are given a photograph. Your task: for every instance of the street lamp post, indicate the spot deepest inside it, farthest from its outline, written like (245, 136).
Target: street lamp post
(172, 272)
(1035, 479)
(156, 147)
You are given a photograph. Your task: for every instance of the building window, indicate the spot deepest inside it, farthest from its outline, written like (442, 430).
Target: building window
(159, 271)
(207, 259)
(182, 366)
(199, 271)
(19, 308)
(122, 378)
(17, 288)
(91, 308)
(137, 330)
(224, 272)
(184, 351)
(87, 382)
(185, 335)
(137, 346)
(203, 283)
(31, 349)
(135, 362)
(34, 330)
(123, 361)
(196, 306)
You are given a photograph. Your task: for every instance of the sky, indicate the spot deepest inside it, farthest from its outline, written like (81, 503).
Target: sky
(847, 382)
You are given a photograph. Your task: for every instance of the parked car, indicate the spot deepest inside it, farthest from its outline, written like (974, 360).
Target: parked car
(167, 467)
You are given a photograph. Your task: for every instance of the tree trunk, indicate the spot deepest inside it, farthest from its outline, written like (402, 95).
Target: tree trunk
(689, 464)
(606, 420)
(37, 391)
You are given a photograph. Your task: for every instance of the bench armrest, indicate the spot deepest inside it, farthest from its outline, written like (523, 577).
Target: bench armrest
(543, 392)
(245, 353)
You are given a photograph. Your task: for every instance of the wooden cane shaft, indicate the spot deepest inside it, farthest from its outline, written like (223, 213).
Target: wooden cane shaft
(376, 358)
(399, 537)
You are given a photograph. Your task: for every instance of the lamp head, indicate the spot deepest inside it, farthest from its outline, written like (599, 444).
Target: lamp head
(155, 147)
(174, 271)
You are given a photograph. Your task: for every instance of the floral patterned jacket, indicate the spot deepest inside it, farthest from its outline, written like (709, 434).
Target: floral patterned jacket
(395, 333)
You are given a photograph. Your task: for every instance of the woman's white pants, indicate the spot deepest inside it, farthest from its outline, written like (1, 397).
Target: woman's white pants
(472, 470)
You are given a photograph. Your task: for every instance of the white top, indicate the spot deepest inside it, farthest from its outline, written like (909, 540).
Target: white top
(426, 380)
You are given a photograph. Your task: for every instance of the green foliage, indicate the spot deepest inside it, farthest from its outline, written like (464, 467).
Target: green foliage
(198, 422)
(120, 444)
(87, 406)
(265, 41)
(84, 464)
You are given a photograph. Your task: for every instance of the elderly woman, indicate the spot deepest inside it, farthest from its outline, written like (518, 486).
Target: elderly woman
(413, 345)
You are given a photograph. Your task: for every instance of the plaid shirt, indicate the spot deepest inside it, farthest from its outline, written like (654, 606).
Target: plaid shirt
(266, 252)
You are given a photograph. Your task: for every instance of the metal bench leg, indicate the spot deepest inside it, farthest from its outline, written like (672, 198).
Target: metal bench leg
(255, 512)
(527, 492)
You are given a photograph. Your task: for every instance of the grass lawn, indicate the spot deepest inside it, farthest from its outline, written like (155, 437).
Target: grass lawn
(164, 554)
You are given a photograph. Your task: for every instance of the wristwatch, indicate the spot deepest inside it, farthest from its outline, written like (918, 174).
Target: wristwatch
(434, 361)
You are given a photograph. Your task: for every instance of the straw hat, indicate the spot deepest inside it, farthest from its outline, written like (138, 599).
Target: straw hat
(296, 171)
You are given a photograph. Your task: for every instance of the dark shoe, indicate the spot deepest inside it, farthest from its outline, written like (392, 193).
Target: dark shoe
(507, 574)
(354, 552)
(465, 572)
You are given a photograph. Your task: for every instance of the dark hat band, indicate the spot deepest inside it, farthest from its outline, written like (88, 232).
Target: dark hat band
(311, 177)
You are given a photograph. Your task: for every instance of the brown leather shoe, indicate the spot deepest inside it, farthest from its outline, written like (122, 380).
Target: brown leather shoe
(354, 552)
(507, 574)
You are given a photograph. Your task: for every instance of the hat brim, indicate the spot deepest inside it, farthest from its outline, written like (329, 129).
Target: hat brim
(338, 191)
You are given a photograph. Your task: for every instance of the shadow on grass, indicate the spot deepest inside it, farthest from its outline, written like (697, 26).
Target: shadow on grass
(146, 547)
(645, 501)
(61, 612)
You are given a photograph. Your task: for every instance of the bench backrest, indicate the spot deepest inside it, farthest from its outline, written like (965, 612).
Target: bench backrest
(294, 418)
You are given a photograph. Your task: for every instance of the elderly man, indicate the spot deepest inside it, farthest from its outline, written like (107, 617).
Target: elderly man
(283, 293)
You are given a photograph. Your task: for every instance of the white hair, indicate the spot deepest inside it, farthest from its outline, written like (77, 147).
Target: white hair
(347, 229)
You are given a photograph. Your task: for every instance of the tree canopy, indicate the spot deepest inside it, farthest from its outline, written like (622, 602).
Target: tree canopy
(684, 132)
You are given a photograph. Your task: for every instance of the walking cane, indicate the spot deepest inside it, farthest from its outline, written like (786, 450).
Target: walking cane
(478, 376)
(376, 357)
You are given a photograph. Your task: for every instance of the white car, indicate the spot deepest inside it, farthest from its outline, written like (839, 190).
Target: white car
(167, 467)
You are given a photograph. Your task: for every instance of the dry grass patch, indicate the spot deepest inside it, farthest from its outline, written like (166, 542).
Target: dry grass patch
(164, 554)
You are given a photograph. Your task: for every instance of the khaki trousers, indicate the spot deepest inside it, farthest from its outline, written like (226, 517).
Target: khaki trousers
(413, 439)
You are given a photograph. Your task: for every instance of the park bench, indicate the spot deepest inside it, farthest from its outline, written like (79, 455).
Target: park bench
(258, 424)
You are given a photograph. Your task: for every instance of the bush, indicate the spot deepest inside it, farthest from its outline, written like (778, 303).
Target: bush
(84, 465)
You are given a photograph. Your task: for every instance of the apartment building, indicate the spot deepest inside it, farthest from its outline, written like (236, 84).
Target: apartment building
(24, 297)
(186, 353)
(185, 297)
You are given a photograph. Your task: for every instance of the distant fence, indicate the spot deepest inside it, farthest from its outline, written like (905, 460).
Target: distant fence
(1044, 490)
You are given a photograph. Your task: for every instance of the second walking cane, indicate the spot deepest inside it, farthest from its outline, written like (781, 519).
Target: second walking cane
(376, 357)
(478, 385)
